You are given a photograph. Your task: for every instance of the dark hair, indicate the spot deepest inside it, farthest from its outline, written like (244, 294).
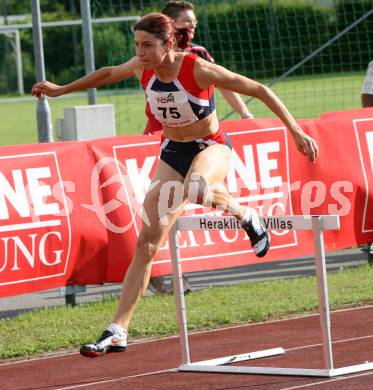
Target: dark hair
(162, 27)
(173, 8)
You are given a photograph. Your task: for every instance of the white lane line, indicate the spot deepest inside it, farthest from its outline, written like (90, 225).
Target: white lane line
(117, 379)
(327, 381)
(333, 342)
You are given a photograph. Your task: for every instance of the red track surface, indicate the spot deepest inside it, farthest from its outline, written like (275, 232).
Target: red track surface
(151, 365)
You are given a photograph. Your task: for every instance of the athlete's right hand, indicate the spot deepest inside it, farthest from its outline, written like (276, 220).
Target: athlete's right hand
(46, 88)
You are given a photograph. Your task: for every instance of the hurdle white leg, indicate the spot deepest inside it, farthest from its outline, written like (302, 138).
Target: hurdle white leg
(322, 288)
(317, 224)
(179, 294)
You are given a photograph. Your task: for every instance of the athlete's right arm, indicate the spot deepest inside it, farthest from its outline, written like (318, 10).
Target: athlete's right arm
(98, 78)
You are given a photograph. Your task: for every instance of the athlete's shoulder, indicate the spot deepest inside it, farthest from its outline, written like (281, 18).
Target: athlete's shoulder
(188, 55)
(190, 65)
(133, 64)
(192, 60)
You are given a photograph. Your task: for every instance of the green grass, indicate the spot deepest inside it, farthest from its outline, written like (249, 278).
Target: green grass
(53, 329)
(306, 97)
(19, 118)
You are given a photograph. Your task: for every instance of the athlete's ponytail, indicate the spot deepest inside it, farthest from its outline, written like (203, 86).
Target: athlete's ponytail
(183, 37)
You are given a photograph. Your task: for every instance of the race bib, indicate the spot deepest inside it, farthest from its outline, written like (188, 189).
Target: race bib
(171, 108)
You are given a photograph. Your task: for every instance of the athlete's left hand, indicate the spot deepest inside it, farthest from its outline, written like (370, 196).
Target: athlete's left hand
(306, 145)
(39, 90)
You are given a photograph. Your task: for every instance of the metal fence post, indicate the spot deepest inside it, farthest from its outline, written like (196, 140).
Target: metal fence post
(89, 60)
(43, 113)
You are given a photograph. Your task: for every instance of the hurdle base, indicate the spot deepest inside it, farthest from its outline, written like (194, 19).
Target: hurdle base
(201, 367)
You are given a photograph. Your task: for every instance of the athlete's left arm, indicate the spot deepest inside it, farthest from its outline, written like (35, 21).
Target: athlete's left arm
(207, 74)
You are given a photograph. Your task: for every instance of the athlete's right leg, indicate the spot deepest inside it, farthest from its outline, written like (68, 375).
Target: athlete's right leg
(162, 205)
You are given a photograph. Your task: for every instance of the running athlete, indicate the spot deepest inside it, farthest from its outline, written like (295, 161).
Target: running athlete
(182, 13)
(195, 153)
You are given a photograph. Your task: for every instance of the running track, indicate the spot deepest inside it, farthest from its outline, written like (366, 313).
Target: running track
(152, 364)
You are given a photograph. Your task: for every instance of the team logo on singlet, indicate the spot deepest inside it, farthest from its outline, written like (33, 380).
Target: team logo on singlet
(166, 99)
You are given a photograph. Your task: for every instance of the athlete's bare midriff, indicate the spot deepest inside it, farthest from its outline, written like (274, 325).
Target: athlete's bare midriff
(199, 129)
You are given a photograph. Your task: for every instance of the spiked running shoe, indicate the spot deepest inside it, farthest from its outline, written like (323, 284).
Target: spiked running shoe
(259, 237)
(107, 342)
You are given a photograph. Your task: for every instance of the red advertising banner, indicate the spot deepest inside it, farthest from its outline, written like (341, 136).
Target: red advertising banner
(70, 212)
(45, 237)
(364, 139)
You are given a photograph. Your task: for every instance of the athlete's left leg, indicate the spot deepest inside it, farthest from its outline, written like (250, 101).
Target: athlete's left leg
(204, 184)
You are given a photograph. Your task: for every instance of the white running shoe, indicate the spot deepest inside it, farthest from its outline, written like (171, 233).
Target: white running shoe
(107, 342)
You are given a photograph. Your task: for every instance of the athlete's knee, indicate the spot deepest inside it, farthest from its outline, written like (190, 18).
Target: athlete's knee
(219, 196)
(198, 190)
(147, 245)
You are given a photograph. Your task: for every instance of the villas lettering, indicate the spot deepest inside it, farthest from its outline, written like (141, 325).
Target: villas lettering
(277, 224)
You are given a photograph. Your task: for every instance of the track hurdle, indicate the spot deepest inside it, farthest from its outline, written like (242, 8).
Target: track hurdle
(315, 223)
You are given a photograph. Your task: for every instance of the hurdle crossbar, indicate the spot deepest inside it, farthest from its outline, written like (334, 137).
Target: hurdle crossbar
(299, 222)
